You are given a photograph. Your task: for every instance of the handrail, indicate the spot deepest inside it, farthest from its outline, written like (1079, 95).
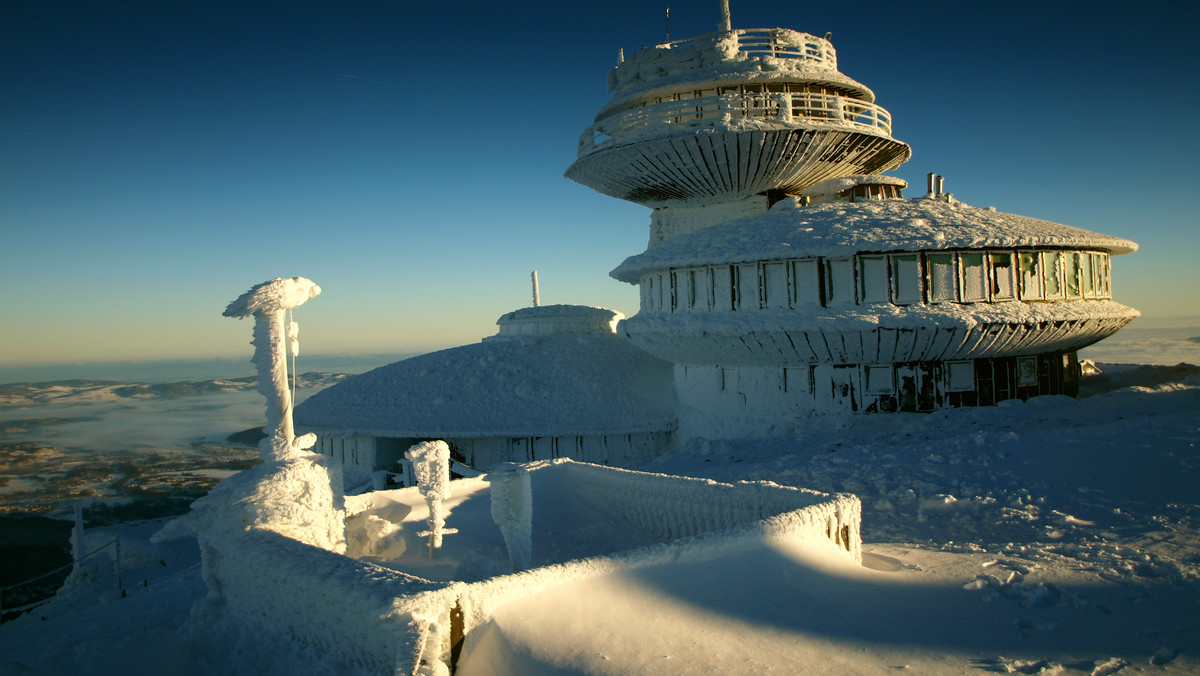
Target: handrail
(765, 42)
(788, 110)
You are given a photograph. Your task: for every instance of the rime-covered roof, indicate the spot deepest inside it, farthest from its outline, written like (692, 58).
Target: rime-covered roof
(842, 229)
(549, 385)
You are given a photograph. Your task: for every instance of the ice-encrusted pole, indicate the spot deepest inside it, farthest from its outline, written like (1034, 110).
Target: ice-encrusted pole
(512, 510)
(431, 464)
(269, 303)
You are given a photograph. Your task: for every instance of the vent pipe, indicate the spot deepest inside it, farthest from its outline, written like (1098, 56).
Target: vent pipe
(537, 298)
(941, 184)
(931, 181)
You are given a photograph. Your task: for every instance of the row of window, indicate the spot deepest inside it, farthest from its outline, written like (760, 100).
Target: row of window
(902, 279)
(888, 379)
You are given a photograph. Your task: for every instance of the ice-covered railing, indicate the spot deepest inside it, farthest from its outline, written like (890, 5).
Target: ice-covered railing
(766, 110)
(736, 516)
(745, 43)
(673, 507)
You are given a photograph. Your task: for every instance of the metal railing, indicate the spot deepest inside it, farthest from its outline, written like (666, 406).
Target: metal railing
(777, 42)
(787, 109)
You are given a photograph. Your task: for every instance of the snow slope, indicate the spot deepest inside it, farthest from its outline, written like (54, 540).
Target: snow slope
(1055, 536)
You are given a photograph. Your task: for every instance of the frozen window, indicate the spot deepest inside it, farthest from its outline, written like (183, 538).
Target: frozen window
(1052, 274)
(941, 277)
(1002, 276)
(839, 282)
(974, 277)
(879, 379)
(805, 288)
(906, 277)
(1103, 288)
(710, 291)
(775, 285)
(1071, 274)
(1027, 371)
(674, 291)
(751, 287)
(735, 287)
(1030, 277)
(960, 376)
(1087, 279)
(647, 287)
(873, 273)
(722, 287)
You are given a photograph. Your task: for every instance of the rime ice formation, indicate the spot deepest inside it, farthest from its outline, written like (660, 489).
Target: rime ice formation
(269, 304)
(431, 464)
(512, 510)
(784, 276)
(293, 493)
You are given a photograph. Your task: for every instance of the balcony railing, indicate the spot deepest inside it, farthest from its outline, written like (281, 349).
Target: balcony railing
(777, 42)
(779, 110)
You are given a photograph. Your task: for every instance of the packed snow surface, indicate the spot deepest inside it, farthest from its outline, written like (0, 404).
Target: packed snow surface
(1053, 536)
(843, 229)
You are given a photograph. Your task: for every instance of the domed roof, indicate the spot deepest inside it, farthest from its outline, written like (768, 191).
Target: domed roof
(553, 384)
(843, 229)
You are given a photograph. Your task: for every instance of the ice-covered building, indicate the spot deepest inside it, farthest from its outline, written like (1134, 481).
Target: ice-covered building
(785, 275)
(555, 381)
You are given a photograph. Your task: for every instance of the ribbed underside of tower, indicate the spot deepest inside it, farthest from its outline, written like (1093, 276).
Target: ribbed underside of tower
(710, 166)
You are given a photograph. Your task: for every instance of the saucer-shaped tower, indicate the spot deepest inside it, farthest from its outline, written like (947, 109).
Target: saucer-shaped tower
(785, 275)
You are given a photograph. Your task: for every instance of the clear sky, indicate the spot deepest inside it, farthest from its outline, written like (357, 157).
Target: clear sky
(158, 158)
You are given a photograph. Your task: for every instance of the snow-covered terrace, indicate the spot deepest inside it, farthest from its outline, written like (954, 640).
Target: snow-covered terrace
(396, 608)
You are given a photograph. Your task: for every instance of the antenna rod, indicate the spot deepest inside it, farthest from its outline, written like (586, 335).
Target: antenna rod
(537, 299)
(726, 24)
(668, 23)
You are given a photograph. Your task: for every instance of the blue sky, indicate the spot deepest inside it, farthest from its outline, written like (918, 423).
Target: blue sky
(158, 159)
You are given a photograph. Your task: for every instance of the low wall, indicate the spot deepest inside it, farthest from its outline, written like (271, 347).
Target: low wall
(331, 606)
(712, 518)
(672, 507)
(381, 621)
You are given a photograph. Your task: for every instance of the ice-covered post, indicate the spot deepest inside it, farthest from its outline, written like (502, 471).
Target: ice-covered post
(512, 510)
(269, 303)
(431, 464)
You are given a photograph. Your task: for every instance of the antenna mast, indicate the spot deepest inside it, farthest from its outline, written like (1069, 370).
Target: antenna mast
(668, 23)
(726, 24)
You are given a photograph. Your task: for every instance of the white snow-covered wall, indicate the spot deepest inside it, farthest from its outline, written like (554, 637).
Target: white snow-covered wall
(331, 606)
(381, 621)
